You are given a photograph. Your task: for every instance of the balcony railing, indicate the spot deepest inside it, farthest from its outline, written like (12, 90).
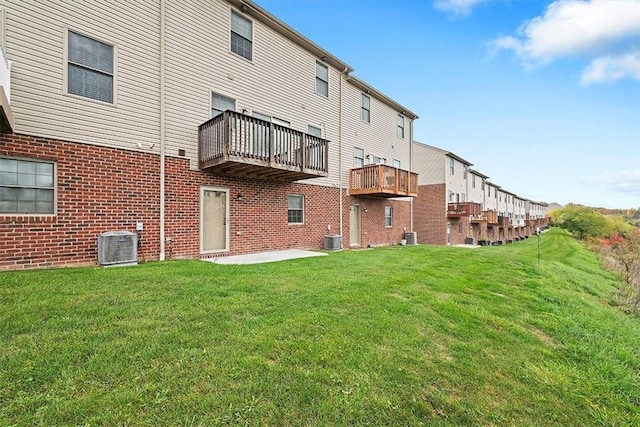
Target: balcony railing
(492, 217)
(503, 221)
(458, 210)
(235, 144)
(383, 181)
(6, 114)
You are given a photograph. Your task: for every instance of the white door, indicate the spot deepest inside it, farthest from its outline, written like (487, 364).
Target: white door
(214, 223)
(354, 225)
(448, 233)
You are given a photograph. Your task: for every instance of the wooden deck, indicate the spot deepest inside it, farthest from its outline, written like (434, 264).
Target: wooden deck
(383, 181)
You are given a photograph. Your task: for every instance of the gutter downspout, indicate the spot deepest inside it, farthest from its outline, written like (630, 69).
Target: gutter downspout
(340, 183)
(411, 170)
(162, 130)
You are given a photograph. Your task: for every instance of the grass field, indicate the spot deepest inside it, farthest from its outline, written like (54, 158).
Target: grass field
(393, 336)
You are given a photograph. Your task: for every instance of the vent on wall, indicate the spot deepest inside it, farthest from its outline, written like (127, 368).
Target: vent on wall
(117, 248)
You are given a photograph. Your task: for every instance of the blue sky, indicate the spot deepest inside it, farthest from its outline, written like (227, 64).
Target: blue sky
(542, 96)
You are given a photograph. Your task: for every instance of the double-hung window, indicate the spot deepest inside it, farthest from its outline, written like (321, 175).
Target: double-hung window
(221, 103)
(314, 131)
(295, 213)
(366, 109)
(396, 164)
(241, 36)
(322, 79)
(452, 166)
(358, 157)
(90, 72)
(400, 126)
(388, 216)
(26, 187)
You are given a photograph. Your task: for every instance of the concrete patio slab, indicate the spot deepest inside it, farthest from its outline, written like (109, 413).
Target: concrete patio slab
(262, 257)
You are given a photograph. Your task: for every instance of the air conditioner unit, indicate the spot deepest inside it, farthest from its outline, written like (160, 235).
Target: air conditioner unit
(333, 242)
(118, 248)
(411, 237)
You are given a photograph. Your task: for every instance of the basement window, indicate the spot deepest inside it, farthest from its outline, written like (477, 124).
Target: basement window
(27, 187)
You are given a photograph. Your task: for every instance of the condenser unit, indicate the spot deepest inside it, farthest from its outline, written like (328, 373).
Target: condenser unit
(117, 248)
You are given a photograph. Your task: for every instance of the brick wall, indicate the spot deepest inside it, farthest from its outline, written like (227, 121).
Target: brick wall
(98, 189)
(429, 214)
(103, 189)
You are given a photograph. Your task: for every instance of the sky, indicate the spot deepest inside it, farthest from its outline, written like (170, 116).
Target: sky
(543, 96)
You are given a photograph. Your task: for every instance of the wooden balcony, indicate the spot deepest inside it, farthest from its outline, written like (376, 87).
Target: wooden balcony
(492, 217)
(464, 209)
(383, 181)
(237, 145)
(503, 221)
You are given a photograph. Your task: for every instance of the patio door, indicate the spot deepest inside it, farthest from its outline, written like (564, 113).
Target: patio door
(214, 222)
(355, 226)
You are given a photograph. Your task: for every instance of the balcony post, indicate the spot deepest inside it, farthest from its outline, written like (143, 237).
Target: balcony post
(226, 142)
(271, 145)
(303, 151)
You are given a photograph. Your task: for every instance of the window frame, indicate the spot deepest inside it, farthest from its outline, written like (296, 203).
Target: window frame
(317, 134)
(355, 157)
(213, 93)
(53, 188)
(237, 34)
(397, 164)
(365, 109)
(69, 63)
(388, 216)
(320, 79)
(291, 210)
(400, 126)
(452, 167)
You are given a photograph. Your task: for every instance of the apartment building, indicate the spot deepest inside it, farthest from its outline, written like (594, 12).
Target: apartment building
(207, 128)
(457, 204)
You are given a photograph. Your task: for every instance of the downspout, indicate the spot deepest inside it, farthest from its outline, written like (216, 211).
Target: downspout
(411, 170)
(340, 183)
(162, 129)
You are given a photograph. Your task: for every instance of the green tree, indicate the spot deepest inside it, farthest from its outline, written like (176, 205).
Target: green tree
(582, 221)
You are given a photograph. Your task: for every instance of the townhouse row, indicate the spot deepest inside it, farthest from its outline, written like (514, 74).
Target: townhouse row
(205, 129)
(459, 205)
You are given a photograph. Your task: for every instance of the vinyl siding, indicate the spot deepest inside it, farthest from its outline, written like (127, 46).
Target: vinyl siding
(36, 39)
(377, 138)
(476, 194)
(491, 202)
(427, 163)
(456, 182)
(279, 81)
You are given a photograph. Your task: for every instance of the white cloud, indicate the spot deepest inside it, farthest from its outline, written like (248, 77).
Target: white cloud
(611, 68)
(581, 28)
(457, 7)
(627, 182)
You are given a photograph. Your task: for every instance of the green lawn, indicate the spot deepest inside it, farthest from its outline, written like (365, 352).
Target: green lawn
(393, 336)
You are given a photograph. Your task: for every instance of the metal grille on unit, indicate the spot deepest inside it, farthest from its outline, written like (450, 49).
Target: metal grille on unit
(117, 247)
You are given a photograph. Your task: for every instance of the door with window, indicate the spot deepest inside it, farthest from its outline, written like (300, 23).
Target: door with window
(214, 223)
(355, 226)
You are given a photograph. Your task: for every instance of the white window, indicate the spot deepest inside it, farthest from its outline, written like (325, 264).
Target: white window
(388, 216)
(358, 157)
(452, 167)
(26, 187)
(315, 131)
(396, 164)
(400, 126)
(295, 213)
(366, 109)
(473, 181)
(375, 160)
(241, 36)
(464, 172)
(221, 103)
(322, 79)
(450, 196)
(90, 72)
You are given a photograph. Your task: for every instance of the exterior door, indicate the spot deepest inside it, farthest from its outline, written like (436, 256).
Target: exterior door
(214, 223)
(448, 233)
(354, 225)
